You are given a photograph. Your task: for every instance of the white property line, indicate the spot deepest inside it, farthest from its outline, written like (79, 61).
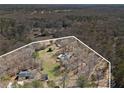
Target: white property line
(65, 38)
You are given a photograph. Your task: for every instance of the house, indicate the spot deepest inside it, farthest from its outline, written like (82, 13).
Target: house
(24, 75)
(64, 57)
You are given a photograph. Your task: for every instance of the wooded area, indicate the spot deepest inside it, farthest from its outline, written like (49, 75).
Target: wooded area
(100, 27)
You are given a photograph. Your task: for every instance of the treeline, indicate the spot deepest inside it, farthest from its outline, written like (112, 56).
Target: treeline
(10, 29)
(86, 18)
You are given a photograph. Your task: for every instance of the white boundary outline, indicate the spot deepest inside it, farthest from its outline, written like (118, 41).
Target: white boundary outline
(65, 38)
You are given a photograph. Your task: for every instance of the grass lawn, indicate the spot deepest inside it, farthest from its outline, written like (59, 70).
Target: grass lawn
(49, 69)
(49, 62)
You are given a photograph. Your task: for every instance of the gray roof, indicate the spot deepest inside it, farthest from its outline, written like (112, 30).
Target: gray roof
(64, 57)
(24, 74)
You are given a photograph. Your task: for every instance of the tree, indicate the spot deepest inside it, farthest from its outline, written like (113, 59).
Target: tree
(82, 82)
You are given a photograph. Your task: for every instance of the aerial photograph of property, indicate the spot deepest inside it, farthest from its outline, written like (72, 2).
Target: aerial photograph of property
(61, 46)
(64, 62)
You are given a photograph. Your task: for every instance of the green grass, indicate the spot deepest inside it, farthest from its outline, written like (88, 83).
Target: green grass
(5, 78)
(35, 55)
(49, 62)
(49, 69)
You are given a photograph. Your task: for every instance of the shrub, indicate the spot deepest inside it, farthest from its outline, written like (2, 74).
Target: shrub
(35, 55)
(5, 78)
(49, 50)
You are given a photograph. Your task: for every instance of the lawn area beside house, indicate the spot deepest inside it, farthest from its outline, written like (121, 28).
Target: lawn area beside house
(49, 61)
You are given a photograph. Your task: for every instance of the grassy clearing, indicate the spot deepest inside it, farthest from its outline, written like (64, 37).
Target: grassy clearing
(49, 62)
(49, 69)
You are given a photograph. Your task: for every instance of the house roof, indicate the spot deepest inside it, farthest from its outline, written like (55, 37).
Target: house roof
(24, 74)
(64, 57)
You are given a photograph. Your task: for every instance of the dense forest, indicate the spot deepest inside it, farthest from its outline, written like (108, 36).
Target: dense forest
(99, 26)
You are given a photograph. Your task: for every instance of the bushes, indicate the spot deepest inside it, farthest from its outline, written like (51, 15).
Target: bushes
(35, 55)
(37, 84)
(56, 70)
(5, 78)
